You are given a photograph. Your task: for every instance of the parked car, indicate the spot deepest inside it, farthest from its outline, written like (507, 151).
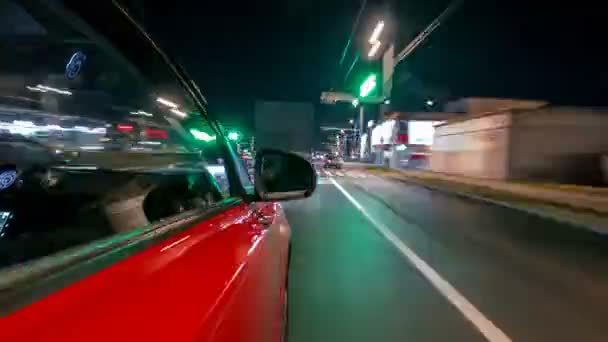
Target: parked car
(129, 239)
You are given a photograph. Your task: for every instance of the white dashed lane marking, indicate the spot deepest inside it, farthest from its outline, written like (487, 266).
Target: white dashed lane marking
(486, 327)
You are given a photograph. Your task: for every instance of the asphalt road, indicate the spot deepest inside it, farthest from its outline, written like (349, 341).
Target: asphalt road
(526, 278)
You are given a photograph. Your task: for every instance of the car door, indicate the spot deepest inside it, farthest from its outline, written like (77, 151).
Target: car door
(109, 233)
(253, 307)
(216, 280)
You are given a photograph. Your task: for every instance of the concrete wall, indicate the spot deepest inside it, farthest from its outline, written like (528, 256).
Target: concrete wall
(561, 145)
(476, 148)
(480, 105)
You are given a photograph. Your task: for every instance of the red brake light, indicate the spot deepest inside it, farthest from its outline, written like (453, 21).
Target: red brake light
(417, 156)
(156, 133)
(402, 139)
(124, 128)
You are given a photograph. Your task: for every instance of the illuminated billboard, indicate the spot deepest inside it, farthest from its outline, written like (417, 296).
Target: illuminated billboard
(421, 132)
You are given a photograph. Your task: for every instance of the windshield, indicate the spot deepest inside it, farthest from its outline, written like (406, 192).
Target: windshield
(85, 138)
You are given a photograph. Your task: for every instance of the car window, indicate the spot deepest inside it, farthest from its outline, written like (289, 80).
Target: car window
(88, 146)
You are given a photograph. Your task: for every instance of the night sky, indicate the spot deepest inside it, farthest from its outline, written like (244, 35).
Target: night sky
(239, 51)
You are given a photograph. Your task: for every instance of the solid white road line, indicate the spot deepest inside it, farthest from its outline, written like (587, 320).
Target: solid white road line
(468, 310)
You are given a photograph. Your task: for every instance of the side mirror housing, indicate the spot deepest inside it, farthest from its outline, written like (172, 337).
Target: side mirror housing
(281, 176)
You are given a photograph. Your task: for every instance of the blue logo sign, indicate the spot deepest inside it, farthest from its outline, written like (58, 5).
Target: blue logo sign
(7, 178)
(72, 69)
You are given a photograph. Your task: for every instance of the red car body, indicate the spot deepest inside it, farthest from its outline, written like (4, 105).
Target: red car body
(213, 275)
(223, 279)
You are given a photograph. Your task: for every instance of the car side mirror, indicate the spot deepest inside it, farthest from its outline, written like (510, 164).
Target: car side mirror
(281, 176)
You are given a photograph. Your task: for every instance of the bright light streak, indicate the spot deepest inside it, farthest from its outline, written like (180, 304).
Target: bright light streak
(376, 33)
(149, 142)
(35, 89)
(23, 123)
(233, 136)
(166, 102)
(216, 169)
(368, 86)
(141, 112)
(43, 89)
(124, 128)
(374, 49)
(92, 147)
(54, 90)
(28, 128)
(199, 135)
(77, 167)
(178, 113)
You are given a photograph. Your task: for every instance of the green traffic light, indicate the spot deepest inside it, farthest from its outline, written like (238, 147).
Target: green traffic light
(200, 135)
(233, 136)
(368, 86)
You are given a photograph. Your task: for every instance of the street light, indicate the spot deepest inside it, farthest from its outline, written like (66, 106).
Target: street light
(233, 136)
(178, 112)
(166, 102)
(376, 32)
(430, 103)
(374, 49)
(368, 85)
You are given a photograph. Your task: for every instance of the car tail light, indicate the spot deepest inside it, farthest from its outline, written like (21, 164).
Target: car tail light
(124, 128)
(402, 139)
(156, 133)
(417, 156)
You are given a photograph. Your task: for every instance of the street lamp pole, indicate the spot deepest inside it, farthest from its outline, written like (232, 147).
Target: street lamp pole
(361, 114)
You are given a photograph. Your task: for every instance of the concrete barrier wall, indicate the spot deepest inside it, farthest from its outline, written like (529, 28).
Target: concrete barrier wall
(473, 148)
(562, 145)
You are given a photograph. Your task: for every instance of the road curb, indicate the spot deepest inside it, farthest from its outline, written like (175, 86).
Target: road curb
(538, 213)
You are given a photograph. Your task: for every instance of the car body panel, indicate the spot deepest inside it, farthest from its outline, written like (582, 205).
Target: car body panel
(220, 280)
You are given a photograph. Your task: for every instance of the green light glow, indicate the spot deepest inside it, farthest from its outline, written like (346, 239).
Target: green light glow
(199, 135)
(368, 86)
(233, 135)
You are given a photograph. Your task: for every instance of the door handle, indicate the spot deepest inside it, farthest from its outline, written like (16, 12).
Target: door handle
(265, 220)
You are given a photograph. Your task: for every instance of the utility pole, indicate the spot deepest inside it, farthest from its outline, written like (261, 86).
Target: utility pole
(421, 37)
(252, 144)
(361, 119)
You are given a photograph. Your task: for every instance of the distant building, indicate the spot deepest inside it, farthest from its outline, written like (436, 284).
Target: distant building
(546, 143)
(284, 125)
